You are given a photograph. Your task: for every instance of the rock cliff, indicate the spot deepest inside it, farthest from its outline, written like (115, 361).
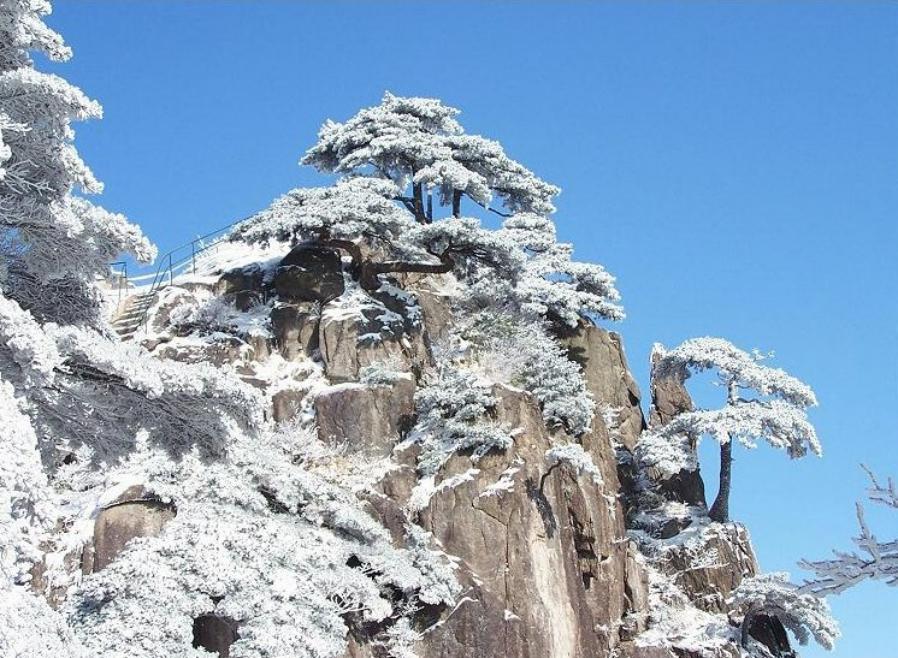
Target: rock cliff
(551, 564)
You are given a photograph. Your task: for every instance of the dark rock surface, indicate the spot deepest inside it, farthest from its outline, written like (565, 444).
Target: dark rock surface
(308, 274)
(214, 633)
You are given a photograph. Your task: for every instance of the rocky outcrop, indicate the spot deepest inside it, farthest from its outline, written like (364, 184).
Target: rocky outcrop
(709, 569)
(243, 284)
(601, 355)
(366, 419)
(670, 398)
(548, 566)
(295, 330)
(547, 571)
(135, 513)
(347, 345)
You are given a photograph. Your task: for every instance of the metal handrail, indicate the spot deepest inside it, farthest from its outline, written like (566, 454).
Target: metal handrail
(169, 268)
(121, 279)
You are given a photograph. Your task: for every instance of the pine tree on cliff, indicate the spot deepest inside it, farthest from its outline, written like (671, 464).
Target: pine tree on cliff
(405, 160)
(877, 560)
(775, 414)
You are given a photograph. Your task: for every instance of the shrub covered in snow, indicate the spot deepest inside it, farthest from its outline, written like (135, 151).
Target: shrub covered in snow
(525, 355)
(452, 410)
(574, 457)
(774, 596)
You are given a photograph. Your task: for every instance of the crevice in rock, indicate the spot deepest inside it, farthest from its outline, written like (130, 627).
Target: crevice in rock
(543, 506)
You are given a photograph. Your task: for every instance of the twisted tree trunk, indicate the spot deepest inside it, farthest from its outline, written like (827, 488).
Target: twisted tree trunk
(366, 272)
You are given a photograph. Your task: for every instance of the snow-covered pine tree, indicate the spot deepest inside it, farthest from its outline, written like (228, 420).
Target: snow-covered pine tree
(776, 413)
(419, 145)
(53, 244)
(877, 560)
(396, 158)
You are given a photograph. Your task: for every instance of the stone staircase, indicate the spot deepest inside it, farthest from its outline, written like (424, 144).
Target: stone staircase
(133, 314)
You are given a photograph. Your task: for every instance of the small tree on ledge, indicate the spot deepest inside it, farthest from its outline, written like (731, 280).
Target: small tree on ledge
(776, 413)
(772, 596)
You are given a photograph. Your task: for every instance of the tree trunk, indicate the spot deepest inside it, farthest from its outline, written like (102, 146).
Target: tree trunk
(456, 203)
(418, 196)
(720, 510)
(430, 206)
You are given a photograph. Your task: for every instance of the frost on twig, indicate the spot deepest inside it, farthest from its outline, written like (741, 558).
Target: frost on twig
(873, 560)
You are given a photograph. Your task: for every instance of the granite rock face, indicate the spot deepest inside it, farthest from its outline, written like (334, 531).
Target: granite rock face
(366, 419)
(547, 572)
(348, 345)
(601, 355)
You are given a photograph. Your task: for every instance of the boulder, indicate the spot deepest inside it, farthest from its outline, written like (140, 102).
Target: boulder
(367, 420)
(310, 273)
(247, 277)
(135, 513)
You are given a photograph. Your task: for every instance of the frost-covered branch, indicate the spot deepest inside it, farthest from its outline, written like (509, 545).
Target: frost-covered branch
(874, 560)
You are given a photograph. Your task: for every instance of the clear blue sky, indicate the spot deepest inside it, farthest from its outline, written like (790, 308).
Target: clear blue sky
(734, 164)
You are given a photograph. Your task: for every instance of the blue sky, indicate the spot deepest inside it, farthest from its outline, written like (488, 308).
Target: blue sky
(734, 164)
